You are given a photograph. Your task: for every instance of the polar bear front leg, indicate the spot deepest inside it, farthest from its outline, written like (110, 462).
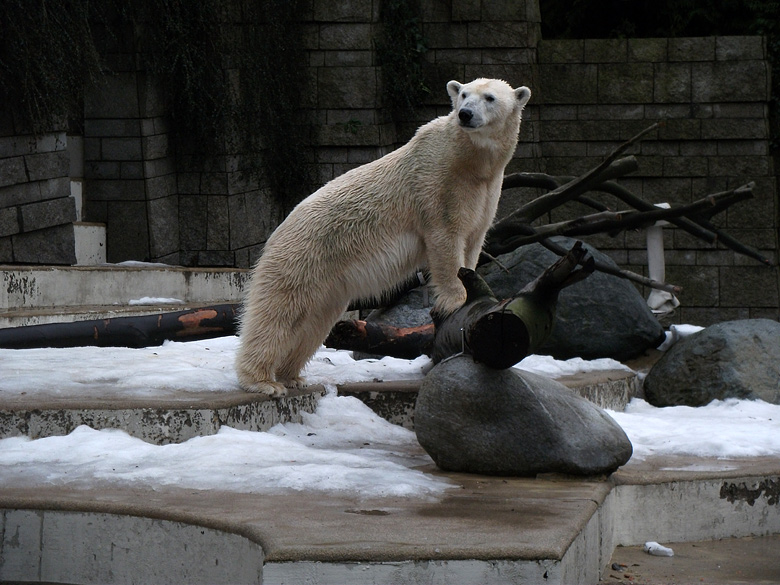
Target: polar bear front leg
(444, 261)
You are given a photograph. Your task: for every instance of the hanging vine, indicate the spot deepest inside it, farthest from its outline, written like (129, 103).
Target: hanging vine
(53, 51)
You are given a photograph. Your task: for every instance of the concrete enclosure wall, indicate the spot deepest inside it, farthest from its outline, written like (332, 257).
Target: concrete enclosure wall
(589, 95)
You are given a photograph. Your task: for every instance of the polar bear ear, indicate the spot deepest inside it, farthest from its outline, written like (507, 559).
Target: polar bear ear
(453, 88)
(523, 94)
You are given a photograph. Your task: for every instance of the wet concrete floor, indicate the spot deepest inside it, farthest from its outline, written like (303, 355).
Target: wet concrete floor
(733, 561)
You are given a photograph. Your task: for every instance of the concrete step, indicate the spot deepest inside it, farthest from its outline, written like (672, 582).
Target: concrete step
(174, 416)
(32, 295)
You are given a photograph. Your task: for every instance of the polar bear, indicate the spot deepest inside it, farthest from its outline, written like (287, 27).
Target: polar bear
(427, 204)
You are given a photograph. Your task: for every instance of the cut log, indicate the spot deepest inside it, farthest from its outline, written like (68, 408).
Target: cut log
(500, 334)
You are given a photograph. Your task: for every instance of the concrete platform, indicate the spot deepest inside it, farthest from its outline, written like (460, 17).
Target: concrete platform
(32, 295)
(548, 529)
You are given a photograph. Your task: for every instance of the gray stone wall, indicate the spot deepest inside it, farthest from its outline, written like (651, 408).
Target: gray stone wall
(588, 97)
(36, 209)
(712, 94)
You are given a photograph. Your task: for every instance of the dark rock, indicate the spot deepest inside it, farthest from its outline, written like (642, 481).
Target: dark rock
(473, 419)
(734, 359)
(602, 316)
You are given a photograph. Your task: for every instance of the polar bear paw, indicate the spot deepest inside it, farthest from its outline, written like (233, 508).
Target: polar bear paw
(267, 387)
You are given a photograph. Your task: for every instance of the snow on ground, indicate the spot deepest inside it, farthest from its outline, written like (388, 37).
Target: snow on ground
(343, 447)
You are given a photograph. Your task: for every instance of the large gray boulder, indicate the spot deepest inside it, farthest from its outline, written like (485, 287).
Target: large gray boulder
(733, 359)
(470, 418)
(602, 316)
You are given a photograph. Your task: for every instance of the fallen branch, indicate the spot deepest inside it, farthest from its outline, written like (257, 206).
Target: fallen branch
(135, 331)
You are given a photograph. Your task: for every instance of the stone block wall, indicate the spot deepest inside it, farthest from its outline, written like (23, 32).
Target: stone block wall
(129, 176)
(588, 97)
(36, 208)
(711, 94)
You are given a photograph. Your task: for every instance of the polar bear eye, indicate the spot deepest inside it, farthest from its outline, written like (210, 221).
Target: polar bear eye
(464, 95)
(490, 98)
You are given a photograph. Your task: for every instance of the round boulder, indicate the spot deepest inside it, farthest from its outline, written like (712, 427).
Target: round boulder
(733, 359)
(470, 418)
(602, 316)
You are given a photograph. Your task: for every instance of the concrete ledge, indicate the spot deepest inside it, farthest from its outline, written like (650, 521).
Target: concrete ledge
(178, 416)
(174, 418)
(549, 529)
(394, 401)
(28, 294)
(92, 547)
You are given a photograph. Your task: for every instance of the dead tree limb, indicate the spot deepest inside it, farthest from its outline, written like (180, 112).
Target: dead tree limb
(381, 338)
(613, 221)
(696, 226)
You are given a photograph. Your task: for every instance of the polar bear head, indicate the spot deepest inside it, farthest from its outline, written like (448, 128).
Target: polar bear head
(486, 102)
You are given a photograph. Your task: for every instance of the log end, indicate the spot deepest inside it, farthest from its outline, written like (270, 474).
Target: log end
(499, 340)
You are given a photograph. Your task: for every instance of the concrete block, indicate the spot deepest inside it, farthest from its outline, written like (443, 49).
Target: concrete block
(691, 49)
(653, 50)
(12, 171)
(748, 286)
(747, 81)
(689, 166)
(44, 214)
(21, 544)
(115, 97)
(446, 35)
(155, 146)
(568, 84)
(118, 127)
(121, 149)
(254, 205)
(700, 283)
(347, 11)
(740, 166)
(606, 50)
(347, 87)
(133, 170)
(90, 243)
(115, 191)
(561, 51)
(345, 37)
(672, 82)
(498, 34)
(348, 58)
(685, 511)
(519, 10)
(9, 221)
(465, 10)
(127, 236)
(735, 129)
(163, 226)
(740, 48)
(107, 548)
(625, 83)
(53, 245)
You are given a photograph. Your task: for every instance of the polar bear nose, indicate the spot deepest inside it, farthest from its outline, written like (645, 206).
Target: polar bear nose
(465, 115)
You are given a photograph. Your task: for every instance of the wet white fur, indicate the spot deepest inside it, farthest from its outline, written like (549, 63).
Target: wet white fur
(426, 204)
